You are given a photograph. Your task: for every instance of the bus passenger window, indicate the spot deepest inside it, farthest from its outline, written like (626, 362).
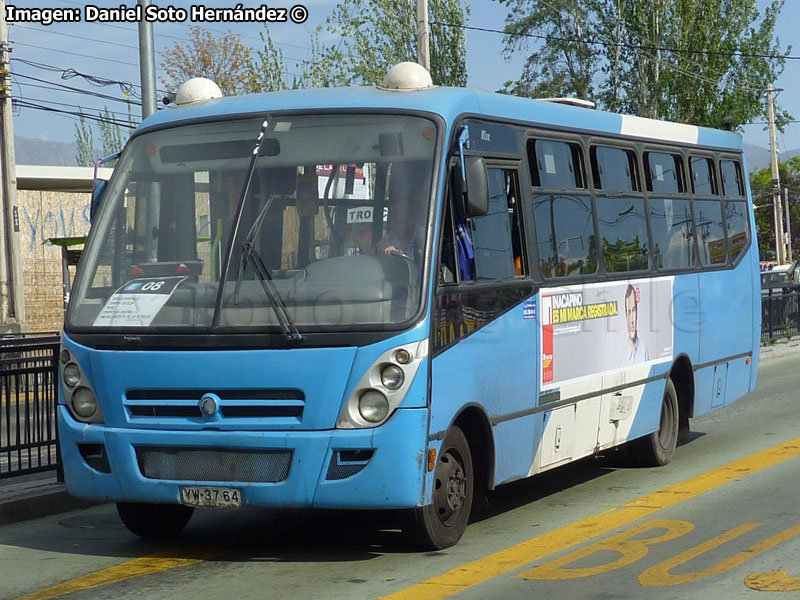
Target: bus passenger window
(708, 216)
(623, 234)
(614, 169)
(673, 233)
(703, 181)
(556, 165)
(738, 227)
(732, 185)
(565, 234)
(664, 173)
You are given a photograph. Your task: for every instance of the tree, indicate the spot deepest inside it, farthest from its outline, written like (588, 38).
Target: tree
(377, 34)
(761, 188)
(84, 140)
(112, 136)
(564, 66)
(224, 60)
(268, 71)
(705, 62)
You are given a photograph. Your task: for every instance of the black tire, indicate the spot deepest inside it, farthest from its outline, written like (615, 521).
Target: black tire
(154, 520)
(441, 524)
(656, 449)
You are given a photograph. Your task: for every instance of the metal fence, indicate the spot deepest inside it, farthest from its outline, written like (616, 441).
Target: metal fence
(780, 313)
(28, 380)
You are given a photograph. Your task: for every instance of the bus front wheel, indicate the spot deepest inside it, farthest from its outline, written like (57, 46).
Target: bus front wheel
(656, 449)
(154, 520)
(442, 523)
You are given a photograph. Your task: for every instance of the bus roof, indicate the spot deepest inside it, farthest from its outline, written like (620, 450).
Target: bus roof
(450, 103)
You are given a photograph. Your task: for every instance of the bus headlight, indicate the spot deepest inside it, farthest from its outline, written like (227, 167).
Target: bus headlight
(84, 403)
(72, 375)
(382, 387)
(392, 377)
(373, 406)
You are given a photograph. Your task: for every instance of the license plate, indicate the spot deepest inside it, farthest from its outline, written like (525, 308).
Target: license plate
(212, 496)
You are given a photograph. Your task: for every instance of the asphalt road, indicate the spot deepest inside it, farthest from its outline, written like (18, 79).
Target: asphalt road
(721, 521)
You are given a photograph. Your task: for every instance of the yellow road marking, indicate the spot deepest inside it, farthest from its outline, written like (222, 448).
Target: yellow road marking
(479, 571)
(629, 550)
(146, 565)
(774, 581)
(659, 575)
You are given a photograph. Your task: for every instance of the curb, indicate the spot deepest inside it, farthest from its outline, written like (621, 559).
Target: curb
(22, 502)
(782, 347)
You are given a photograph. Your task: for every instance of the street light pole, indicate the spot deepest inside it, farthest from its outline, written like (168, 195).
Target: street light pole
(147, 64)
(423, 41)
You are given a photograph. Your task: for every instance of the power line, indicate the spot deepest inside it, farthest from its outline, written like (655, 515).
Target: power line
(99, 110)
(92, 79)
(40, 47)
(78, 90)
(77, 37)
(225, 33)
(619, 44)
(76, 114)
(126, 87)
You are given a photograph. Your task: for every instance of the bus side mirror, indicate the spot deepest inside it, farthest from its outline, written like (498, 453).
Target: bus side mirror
(475, 189)
(97, 197)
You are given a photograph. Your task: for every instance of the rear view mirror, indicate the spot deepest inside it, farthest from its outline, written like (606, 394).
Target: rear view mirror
(475, 187)
(390, 144)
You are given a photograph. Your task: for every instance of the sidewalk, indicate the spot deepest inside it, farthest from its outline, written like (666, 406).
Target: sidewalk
(33, 496)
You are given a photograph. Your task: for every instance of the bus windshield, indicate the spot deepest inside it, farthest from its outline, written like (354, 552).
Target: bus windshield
(330, 222)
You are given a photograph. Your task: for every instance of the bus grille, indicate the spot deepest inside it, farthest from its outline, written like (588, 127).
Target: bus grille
(234, 404)
(211, 464)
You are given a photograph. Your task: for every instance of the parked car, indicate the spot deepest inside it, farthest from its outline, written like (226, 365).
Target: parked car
(780, 278)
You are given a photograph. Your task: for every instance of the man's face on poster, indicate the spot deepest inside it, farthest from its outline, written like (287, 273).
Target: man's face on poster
(631, 315)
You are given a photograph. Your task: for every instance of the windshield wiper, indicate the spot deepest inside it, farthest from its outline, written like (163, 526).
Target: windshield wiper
(249, 253)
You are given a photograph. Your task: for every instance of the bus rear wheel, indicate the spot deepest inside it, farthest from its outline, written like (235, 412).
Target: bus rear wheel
(442, 523)
(656, 449)
(154, 520)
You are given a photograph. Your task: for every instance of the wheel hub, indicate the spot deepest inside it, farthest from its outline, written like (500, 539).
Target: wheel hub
(451, 487)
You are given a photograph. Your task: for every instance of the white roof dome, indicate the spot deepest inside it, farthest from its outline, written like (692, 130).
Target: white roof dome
(406, 77)
(197, 89)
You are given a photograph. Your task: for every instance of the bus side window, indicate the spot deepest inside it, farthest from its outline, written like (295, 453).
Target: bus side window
(732, 185)
(620, 209)
(563, 214)
(496, 237)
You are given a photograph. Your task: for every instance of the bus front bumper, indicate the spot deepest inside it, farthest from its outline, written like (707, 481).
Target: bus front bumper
(361, 469)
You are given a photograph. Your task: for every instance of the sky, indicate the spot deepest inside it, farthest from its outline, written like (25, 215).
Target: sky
(110, 51)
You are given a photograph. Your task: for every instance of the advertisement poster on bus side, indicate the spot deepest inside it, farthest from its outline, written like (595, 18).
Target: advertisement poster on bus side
(604, 327)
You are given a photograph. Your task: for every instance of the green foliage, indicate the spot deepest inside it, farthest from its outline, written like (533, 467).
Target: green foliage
(112, 135)
(267, 72)
(377, 34)
(705, 62)
(84, 140)
(564, 66)
(761, 188)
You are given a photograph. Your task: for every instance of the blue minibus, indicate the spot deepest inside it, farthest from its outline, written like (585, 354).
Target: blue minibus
(397, 298)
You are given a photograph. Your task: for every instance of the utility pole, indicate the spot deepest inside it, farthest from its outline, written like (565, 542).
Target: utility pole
(776, 182)
(423, 41)
(147, 64)
(12, 299)
(788, 224)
